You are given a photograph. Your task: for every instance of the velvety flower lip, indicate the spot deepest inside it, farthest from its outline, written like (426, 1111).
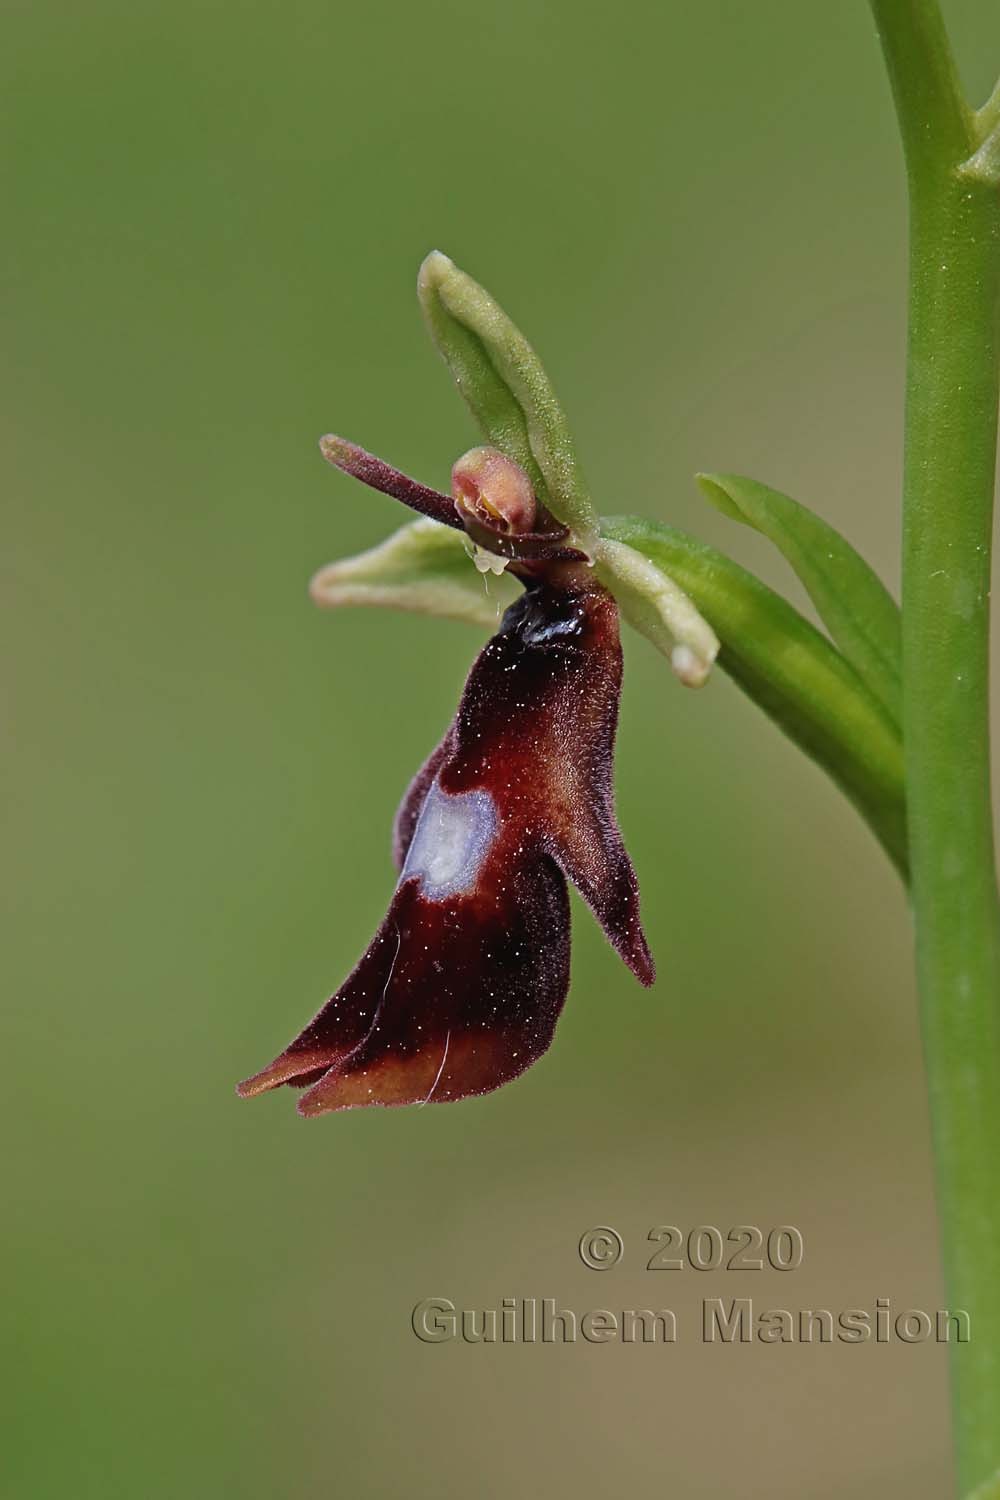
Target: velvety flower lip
(462, 986)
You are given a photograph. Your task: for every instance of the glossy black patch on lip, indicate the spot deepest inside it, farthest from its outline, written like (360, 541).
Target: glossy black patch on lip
(535, 621)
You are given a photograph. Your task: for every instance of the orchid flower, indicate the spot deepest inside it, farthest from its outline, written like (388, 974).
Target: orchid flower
(461, 987)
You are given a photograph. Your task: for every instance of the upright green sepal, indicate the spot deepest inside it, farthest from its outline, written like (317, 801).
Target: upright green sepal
(503, 381)
(850, 598)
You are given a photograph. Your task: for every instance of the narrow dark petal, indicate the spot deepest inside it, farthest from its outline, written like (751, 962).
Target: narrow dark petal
(382, 476)
(463, 984)
(546, 545)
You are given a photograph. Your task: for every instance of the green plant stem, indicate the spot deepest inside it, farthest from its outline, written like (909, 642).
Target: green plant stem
(949, 467)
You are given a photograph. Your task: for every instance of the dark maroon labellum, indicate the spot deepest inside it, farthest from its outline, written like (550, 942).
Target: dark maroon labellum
(462, 986)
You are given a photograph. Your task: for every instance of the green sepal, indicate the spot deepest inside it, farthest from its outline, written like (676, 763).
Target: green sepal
(424, 567)
(506, 387)
(657, 607)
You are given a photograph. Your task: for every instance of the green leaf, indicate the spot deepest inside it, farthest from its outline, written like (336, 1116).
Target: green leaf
(791, 671)
(424, 567)
(507, 390)
(850, 598)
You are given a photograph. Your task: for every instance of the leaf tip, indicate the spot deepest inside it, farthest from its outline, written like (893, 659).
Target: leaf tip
(717, 490)
(434, 268)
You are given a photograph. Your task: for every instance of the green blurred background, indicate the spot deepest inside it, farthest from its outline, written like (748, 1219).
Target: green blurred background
(215, 215)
